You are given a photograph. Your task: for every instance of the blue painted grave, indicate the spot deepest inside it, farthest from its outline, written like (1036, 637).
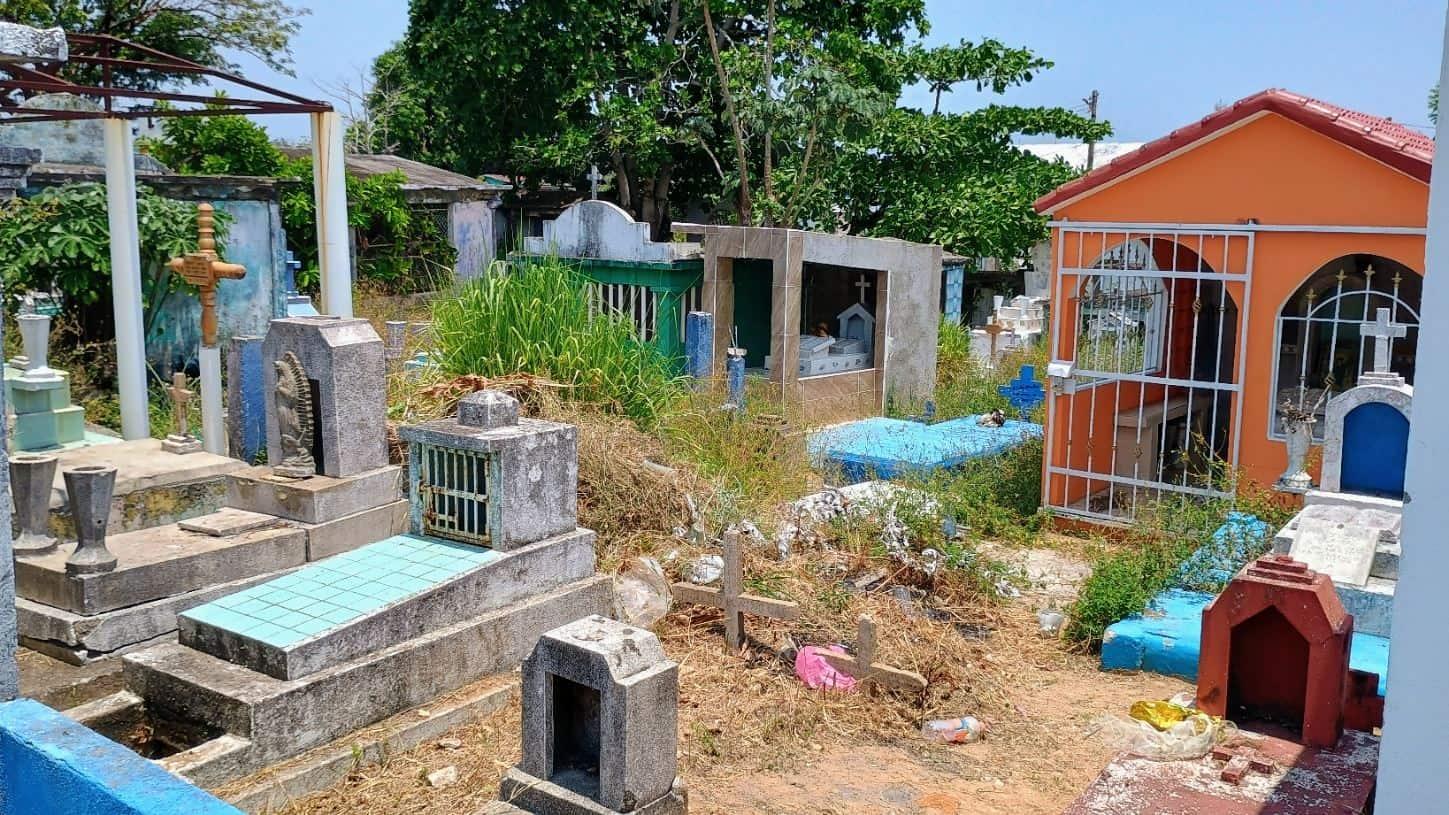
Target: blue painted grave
(1166, 638)
(50, 764)
(882, 448)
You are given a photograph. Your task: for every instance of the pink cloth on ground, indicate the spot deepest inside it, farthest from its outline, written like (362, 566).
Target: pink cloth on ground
(815, 672)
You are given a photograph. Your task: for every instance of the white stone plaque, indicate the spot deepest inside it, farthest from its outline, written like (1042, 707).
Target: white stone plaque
(1344, 552)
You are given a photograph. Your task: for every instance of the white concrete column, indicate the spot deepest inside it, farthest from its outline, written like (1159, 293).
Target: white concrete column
(126, 279)
(329, 185)
(1412, 779)
(213, 428)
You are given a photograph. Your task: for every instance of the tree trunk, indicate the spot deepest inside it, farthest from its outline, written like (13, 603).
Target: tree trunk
(745, 215)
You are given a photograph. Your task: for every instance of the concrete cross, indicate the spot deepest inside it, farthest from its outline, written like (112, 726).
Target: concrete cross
(992, 329)
(864, 668)
(863, 283)
(594, 178)
(1384, 332)
(1239, 760)
(730, 597)
(1024, 392)
(203, 269)
(180, 398)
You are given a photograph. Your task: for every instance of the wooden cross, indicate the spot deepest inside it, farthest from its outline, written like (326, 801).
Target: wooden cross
(203, 269)
(730, 597)
(992, 329)
(180, 397)
(1239, 760)
(864, 668)
(1384, 332)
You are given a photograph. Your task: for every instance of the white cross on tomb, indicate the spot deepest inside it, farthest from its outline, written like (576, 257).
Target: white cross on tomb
(594, 178)
(1384, 332)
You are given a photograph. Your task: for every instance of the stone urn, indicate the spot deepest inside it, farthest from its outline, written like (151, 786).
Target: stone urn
(32, 477)
(35, 337)
(1298, 425)
(90, 489)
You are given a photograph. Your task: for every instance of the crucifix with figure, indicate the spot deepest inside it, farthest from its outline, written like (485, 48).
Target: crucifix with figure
(1384, 331)
(731, 597)
(204, 269)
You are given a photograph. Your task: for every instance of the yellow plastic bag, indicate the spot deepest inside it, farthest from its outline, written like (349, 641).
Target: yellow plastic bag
(1160, 714)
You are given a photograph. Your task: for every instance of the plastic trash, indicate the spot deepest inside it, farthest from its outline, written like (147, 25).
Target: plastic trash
(1164, 731)
(1050, 621)
(815, 672)
(642, 592)
(955, 731)
(705, 569)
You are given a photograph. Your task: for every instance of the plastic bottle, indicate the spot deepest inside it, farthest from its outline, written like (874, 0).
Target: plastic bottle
(954, 731)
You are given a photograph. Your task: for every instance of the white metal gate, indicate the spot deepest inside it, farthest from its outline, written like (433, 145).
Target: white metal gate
(1149, 333)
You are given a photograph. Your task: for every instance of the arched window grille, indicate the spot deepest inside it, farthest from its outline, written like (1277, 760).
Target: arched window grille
(1120, 317)
(1321, 346)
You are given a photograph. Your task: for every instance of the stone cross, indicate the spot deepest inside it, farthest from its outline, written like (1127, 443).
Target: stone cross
(203, 270)
(864, 668)
(1384, 332)
(1024, 392)
(594, 178)
(863, 283)
(730, 597)
(180, 398)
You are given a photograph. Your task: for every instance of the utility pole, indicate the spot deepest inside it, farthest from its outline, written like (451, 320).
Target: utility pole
(1091, 114)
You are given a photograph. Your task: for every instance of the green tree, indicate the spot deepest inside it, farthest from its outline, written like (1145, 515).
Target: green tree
(202, 31)
(780, 112)
(59, 240)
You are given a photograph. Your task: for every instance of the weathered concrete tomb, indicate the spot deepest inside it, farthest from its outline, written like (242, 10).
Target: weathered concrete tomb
(600, 710)
(492, 558)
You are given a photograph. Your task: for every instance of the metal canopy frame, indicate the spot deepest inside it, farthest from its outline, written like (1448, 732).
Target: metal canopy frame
(19, 82)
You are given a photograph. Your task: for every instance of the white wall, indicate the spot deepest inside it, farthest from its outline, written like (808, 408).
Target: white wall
(1412, 777)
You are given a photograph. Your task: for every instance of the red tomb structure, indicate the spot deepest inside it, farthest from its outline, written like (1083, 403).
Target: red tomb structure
(1274, 660)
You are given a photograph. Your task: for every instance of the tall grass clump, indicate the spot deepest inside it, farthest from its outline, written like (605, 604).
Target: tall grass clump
(535, 318)
(1164, 536)
(964, 385)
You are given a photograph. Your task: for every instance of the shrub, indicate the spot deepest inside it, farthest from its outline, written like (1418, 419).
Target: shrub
(964, 386)
(536, 318)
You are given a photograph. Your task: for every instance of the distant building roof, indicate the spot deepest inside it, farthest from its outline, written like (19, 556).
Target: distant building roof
(1401, 147)
(1075, 153)
(425, 183)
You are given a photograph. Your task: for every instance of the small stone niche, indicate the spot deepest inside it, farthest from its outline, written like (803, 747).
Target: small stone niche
(600, 710)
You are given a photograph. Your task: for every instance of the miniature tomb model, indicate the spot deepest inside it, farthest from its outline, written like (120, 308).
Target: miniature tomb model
(493, 558)
(600, 710)
(1348, 528)
(1275, 652)
(838, 322)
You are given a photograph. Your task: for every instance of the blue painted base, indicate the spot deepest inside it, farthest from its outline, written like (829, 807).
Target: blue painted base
(52, 765)
(882, 448)
(1168, 638)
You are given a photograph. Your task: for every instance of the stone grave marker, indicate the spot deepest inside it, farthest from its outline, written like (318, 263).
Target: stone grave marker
(731, 598)
(863, 667)
(600, 731)
(1343, 551)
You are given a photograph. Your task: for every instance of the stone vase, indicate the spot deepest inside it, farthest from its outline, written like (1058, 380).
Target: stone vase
(35, 336)
(1300, 440)
(31, 479)
(90, 489)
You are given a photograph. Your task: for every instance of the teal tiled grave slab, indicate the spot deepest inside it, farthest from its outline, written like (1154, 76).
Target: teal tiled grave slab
(371, 598)
(313, 602)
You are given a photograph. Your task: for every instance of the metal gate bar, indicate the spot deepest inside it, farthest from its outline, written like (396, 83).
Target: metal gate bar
(453, 490)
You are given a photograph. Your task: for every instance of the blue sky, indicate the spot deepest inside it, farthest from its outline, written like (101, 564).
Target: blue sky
(1158, 65)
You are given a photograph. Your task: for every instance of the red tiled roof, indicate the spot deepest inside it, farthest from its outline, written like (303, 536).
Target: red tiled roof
(1400, 147)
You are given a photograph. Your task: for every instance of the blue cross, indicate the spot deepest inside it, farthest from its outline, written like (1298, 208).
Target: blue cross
(1024, 392)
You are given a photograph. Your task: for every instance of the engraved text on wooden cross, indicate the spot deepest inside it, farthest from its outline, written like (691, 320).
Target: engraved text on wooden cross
(203, 269)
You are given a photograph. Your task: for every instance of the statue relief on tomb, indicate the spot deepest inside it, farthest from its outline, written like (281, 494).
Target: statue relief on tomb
(294, 419)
